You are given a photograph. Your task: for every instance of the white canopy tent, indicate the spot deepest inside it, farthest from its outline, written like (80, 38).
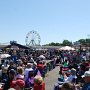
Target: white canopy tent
(66, 48)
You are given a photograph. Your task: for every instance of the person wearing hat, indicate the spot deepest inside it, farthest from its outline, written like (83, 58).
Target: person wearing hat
(3, 73)
(40, 69)
(26, 71)
(72, 76)
(86, 78)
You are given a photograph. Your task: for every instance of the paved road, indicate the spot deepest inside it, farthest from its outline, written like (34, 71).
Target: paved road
(51, 78)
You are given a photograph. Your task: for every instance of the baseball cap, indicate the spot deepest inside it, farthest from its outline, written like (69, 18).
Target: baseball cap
(73, 71)
(87, 73)
(40, 66)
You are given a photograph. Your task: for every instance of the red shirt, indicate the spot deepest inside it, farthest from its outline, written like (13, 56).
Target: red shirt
(39, 87)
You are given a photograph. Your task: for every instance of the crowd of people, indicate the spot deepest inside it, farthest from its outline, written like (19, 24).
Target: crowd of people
(74, 71)
(26, 70)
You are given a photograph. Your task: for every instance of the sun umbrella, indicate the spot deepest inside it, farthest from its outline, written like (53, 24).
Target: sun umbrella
(4, 56)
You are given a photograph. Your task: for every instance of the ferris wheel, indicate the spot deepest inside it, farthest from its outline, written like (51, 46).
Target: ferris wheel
(33, 38)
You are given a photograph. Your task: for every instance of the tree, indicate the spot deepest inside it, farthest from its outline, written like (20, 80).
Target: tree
(82, 41)
(69, 43)
(88, 41)
(54, 44)
(66, 43)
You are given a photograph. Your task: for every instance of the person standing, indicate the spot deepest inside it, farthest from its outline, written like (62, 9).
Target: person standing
(39, 83)
(11, 77)
(86, 78)
(26, 71)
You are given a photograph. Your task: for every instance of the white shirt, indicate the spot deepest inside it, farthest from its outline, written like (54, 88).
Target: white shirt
(71, 78)
(26, 72)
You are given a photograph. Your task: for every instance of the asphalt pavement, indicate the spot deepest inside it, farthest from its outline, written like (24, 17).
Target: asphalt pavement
(51, 78)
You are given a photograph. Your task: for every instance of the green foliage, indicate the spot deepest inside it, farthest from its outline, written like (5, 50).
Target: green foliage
(84, 41)
(66, 43)
(69, 43)
(54, 44)
(88, 41)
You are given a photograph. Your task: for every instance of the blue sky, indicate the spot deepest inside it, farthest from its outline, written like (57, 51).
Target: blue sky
(54, 20)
